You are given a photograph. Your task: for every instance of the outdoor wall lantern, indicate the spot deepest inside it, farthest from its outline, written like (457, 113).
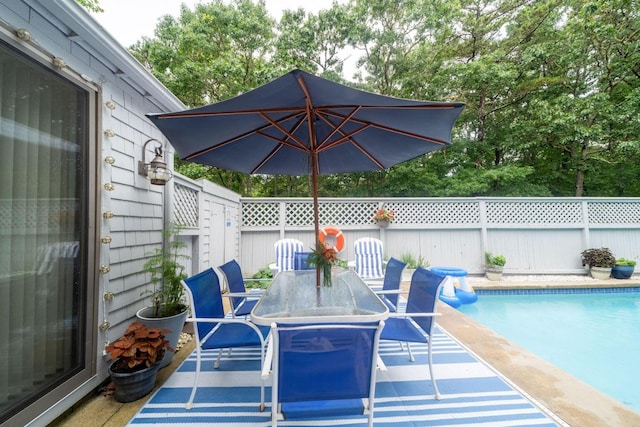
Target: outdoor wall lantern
(156, 171)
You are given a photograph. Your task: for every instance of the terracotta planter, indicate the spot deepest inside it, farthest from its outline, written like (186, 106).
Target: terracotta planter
(493, 272)
(600, 273)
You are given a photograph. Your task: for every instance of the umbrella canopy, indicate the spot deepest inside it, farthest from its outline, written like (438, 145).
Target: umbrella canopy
(301, 124)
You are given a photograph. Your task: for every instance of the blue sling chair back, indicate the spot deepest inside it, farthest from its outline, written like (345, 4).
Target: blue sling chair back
(392, 280)
(212, 330)
(417, 323)
(243, 302)
(324, 370)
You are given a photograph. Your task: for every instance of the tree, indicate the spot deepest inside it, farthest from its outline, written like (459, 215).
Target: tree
(91, 5)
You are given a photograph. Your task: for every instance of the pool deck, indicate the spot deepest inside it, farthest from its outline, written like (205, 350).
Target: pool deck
(571, 400)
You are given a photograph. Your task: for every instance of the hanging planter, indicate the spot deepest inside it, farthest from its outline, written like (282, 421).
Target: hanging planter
(384, 217)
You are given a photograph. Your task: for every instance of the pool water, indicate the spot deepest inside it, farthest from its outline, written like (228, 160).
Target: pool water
(595, 335)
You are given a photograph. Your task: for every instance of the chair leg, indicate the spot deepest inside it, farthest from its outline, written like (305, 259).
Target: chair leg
(195, 380)
(411, 358)
(216, 364)
(433, 379)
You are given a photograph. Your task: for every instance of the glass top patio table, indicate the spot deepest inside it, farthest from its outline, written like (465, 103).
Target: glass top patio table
(293, 297)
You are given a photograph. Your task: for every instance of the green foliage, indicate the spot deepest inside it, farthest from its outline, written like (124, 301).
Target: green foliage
(91, 5)
(413, 262)
(552, 89)
(166, 272)
(598, 257)
(626, 261)
(263, 279)
(490, 259)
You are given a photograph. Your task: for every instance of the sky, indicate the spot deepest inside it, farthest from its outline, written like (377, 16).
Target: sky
(128, 20)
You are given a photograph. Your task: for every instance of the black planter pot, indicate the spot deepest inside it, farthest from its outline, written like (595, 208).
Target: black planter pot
(134, 385)
(622, 271)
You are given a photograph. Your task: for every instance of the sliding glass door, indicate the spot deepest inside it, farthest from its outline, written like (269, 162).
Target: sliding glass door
(44, 139)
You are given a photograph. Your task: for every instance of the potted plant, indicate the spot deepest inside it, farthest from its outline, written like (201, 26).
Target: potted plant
(168, 310)
(494, 265)
(412, 263)
(136, 355)
(384, 217)
(600, 262)
(623, 268)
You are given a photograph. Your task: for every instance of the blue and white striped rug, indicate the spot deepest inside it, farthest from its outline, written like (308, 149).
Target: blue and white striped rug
(472, 393)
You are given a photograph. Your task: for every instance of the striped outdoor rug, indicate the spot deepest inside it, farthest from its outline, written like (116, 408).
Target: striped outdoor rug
(472, 393)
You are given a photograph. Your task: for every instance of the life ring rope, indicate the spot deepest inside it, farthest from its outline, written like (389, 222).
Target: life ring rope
(337, 235)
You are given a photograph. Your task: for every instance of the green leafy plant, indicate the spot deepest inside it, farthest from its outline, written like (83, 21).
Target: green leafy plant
(140, 347)
(626, 261)
(491, 259)
(166, 271)
(413, 262)
(598, 257)
(262, 279)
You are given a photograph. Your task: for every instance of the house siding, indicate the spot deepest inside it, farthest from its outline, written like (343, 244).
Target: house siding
(61, 28)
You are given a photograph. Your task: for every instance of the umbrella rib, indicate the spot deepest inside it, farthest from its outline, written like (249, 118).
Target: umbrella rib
(387, 128)
(335, 128)
(180, 115)
(287, 133)
(256, 131)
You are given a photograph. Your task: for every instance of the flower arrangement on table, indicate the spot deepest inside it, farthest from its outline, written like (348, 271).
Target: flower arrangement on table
(384, 215)
(324, 259)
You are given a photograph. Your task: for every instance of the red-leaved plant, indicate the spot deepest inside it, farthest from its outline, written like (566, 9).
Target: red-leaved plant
(139, 348)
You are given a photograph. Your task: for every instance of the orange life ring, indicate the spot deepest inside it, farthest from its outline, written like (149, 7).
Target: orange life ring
(337, 237)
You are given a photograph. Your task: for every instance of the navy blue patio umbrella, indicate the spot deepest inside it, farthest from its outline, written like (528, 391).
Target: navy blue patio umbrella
(301, 124)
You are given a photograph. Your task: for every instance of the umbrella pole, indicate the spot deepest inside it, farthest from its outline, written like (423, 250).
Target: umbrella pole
(316, 209)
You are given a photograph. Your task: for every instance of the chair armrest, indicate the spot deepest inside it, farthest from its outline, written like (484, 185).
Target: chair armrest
(414, 314)
(268, 360)
(254, 294)
(274, 269)
(223, 320)
(226, 320)
(392, 292)
(251, 279)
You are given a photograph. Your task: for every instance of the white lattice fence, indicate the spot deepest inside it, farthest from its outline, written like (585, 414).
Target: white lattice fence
(186, 206)
(614, 212)
(537, 235)
(534, 212)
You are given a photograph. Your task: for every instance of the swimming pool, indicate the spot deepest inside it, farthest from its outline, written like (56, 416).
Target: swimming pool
(594, 334)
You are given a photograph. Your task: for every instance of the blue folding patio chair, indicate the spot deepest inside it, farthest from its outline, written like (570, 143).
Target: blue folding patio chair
(323, 370)
(416, 324)
(212, 330)
(242, 301)
(392, 280)
(369, 258)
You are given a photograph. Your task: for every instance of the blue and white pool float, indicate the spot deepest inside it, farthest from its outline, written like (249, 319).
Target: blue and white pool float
(455, 290)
